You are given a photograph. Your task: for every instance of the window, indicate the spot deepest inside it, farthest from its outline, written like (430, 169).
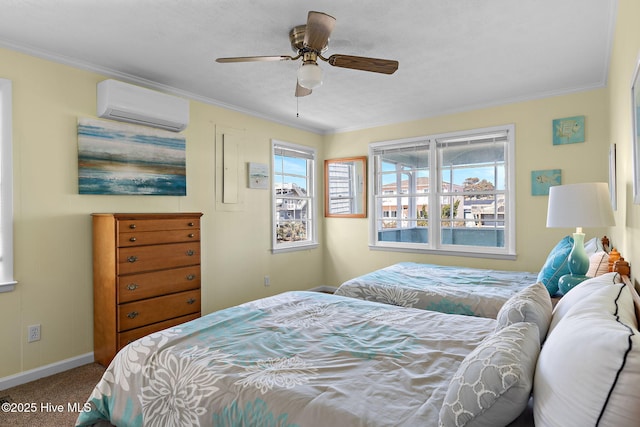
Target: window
(342, 188)
(451, 193)
(294, 199)
(7, 282)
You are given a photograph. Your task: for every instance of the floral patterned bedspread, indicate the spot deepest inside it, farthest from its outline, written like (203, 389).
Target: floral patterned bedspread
(294, 359)
(459, 290)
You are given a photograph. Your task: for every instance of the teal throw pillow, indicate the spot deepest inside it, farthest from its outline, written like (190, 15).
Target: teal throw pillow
(556, 265)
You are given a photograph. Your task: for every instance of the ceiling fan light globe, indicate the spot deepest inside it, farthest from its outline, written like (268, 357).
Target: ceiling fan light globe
(310, 75)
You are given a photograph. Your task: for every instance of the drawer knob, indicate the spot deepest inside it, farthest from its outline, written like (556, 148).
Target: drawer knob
(132, 239)
(190, 252)
(132, 315)
(191, 276)
(191, 235)
(191, 224)
(132, 226)
(132, 258)
(132, 286)
(190, 301)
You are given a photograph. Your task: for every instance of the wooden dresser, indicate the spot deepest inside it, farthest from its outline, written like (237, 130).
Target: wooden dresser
(146, 276)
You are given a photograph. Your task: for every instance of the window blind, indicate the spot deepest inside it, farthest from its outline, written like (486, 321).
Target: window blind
(288, 151)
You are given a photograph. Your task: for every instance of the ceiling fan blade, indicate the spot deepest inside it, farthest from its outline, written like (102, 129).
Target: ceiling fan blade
(319, 28)
(302, 91)
(384, 66)
(254, 59)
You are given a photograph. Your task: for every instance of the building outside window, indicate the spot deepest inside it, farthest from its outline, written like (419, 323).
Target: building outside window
(450, 193)
(294, 198)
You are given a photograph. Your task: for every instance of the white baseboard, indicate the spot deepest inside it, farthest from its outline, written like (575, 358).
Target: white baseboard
(45, 371)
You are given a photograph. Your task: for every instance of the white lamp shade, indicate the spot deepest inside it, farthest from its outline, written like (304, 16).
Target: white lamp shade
(580, 205)
(309, 75)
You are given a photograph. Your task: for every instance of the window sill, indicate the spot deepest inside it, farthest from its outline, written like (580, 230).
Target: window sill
(7, 287)
(444, 252)
(300, 247)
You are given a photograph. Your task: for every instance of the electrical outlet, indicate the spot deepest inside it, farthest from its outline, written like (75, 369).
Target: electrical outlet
(33, 333)
(267, 281)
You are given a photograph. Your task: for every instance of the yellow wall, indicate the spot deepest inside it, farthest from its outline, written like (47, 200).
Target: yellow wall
(53, 227)
(53, 224)
(626, 51)
(346, 250)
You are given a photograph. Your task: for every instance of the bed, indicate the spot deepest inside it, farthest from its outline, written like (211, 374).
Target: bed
(305, 358)
(459, 290)
(315, 359)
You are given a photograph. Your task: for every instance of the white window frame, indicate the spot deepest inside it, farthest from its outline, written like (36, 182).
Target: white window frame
(312, 211)
(7, 281)
(434, 245)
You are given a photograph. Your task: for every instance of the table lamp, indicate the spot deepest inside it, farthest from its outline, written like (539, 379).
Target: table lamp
(578, 205)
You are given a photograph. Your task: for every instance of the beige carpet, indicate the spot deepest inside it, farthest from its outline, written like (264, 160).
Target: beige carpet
(54, 398)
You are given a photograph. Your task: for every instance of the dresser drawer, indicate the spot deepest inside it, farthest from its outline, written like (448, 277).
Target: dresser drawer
(153, 310)
(134, 287)
(164, 224)
(148, 258)
(141, 238)
(127, 337)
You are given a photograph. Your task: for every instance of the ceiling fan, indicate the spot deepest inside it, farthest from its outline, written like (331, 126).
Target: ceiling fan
(309, 42)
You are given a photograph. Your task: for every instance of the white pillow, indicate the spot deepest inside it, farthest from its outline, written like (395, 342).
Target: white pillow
(598, 264)
(579, 293)
(532, 304)
(593, 245)
(589, 368)
(493, 383)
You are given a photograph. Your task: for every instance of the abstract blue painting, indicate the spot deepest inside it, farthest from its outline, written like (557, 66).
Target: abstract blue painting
(119, 158)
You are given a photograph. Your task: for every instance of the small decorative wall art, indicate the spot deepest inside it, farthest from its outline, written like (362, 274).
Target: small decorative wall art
(542, 180)
(120, 158)
(568, 130)
(258, 175)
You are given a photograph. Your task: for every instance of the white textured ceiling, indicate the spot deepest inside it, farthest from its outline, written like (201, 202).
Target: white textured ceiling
(454, 55)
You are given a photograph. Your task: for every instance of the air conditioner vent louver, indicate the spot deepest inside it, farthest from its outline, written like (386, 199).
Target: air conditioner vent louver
(135, 104)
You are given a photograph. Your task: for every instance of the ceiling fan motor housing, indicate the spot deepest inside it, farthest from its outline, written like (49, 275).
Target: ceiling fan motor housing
(296, 37)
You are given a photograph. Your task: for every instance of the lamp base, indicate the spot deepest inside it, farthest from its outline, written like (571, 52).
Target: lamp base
(578, 260)
(570, 281)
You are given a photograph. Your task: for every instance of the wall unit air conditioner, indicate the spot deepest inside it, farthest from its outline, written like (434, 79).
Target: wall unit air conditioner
(135, 104)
